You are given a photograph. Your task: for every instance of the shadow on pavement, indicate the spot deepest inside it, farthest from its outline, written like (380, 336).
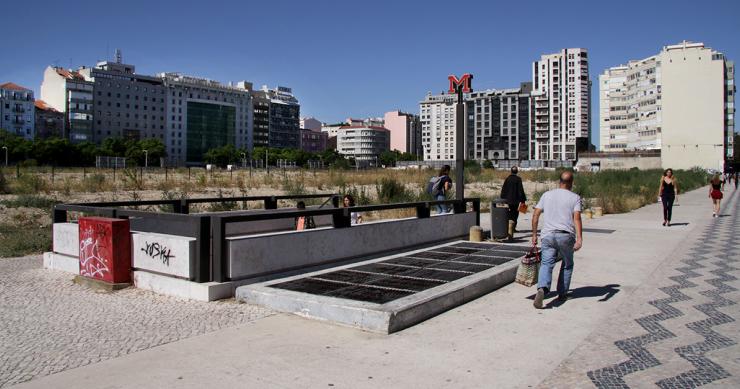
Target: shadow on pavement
(679, 224)
(606, 292)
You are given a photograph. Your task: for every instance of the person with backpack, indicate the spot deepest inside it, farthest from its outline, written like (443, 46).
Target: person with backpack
(513, 192)
(438, 187)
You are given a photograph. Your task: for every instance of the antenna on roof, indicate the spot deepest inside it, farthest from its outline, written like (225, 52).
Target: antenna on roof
(119, 56)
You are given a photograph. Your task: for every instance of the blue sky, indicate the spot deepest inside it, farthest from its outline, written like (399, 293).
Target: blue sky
(353, 58)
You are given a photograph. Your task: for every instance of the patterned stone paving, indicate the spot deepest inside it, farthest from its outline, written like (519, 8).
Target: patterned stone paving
(48, 324)
(660, 353)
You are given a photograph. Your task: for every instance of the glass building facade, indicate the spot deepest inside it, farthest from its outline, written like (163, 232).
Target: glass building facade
(208, 126)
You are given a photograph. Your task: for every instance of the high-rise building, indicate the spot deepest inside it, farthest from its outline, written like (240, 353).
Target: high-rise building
(285, 114)
(405, 131)
(363, 143)
(204, 114)
(49, 121)
(16, 110)
(497, 128)
(680, 101)
(261, 107)
(69, 92)
(561, 94)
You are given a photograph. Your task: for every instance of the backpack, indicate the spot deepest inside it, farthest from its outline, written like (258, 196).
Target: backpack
(433, 186)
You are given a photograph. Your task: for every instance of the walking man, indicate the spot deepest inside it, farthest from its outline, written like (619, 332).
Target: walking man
(513, 193)
(562, 235)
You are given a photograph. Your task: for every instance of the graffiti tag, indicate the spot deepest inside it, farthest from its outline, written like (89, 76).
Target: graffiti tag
(158, 251)
(92, 260)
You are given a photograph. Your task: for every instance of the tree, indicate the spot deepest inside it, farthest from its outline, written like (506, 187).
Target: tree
(222, 156)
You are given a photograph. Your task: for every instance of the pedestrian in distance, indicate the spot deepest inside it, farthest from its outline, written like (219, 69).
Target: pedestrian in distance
(438, 187)
(349, 201)
(562, 235)
(303, 222)
(715, 193)
(668, 194)
(513, 192)
(736, 177)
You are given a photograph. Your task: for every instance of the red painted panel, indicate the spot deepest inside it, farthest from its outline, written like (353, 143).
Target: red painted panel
(105, 249)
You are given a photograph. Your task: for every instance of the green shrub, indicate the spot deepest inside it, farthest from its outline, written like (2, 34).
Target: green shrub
(30, 201)
(17, 241)
(4, 187)
(222, 206)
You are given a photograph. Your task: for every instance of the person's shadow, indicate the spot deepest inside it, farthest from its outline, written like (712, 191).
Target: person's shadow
(606, 292)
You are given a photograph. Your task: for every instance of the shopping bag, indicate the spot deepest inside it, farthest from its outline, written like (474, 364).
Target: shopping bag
(529, 268)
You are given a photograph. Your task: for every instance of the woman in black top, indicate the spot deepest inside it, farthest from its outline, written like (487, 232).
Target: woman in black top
(668, 193)
(715, 193)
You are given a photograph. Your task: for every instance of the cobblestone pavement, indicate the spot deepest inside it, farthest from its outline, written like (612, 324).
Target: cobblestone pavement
(682, 331)
(48, 324)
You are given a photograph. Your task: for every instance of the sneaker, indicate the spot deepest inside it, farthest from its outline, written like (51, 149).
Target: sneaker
(538, 298)
(714, 214)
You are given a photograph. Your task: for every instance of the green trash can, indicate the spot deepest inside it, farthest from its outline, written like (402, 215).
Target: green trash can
(499, 219)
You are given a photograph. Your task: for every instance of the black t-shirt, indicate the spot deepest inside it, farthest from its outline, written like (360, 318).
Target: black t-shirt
(442, 184)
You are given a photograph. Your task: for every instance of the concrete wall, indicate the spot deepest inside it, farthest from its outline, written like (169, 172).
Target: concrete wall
(256, 255)
(161, 253)
(619, 162)
(693, 109)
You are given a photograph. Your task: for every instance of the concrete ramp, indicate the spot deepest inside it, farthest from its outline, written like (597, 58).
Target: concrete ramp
(392, 293)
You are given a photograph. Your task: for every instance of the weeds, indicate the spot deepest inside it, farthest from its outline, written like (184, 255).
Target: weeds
(30, 201)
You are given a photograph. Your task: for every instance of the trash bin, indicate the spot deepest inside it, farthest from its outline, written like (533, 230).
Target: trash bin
(499, 219)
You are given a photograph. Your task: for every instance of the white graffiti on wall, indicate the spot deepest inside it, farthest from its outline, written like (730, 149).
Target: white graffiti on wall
(92, 259)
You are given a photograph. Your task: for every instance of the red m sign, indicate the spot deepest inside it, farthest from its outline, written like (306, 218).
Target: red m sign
(463, 82)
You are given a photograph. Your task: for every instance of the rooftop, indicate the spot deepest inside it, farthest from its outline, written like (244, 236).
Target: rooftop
(12, 86)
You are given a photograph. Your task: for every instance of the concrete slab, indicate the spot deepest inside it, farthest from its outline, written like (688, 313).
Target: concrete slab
(385, 318)
(66, 263)
(177, 287)
(66, 239)
(162, 253)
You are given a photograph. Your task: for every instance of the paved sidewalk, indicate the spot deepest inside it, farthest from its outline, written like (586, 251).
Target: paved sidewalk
(499, 340)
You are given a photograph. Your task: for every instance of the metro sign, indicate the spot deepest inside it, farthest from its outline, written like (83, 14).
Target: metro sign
(462, 83)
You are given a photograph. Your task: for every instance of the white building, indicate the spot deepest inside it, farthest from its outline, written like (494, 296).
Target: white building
(17, 112)
(311, 124)
(680, 101)
(363, 143)
(561, 94)
(67, 91)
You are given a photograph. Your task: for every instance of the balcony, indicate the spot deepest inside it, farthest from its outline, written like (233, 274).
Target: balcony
(18, 109)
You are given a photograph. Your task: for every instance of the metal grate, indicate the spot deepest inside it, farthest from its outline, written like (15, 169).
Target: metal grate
(399, 277)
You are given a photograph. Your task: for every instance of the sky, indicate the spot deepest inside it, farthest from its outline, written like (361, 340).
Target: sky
(353, 58)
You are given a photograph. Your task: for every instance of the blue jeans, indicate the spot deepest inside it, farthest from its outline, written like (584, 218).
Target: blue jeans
(441, 208)
(554, 244)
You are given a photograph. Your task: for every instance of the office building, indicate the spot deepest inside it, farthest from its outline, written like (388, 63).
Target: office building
(680, 101)
(363, 143)
(562, 115)
(497, 128)
(49, 121)
(284, 118)
(17, 110)
(405, 131)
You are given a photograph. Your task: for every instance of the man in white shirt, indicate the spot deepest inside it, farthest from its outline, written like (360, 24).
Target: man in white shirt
(561, 235)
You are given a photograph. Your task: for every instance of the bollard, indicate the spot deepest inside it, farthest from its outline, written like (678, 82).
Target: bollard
(476, 234)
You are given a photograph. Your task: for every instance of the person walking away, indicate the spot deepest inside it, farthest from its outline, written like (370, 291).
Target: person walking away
(303, 222)
(562, 235)
(349, 201)
(668, 193)
(442, 186)
(715, 193)
(513, 192)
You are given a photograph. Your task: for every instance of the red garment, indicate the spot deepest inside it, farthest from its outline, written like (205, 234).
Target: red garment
(716, 194)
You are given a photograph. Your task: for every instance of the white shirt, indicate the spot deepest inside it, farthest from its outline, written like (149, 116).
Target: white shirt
(557, 206)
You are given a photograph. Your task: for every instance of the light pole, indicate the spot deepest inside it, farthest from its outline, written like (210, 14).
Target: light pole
(6, 155)
(146, 159)
(244, 158)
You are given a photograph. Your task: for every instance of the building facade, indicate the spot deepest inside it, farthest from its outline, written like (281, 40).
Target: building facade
(261, 115)
(405, 131)
(363, 143)
(311, 124)
(68, 92)
(562, 105)
(285, 111)
(203, 114)
(498, 125)
(313, 141)
(17, 114)
(680, 101)
(49, 121)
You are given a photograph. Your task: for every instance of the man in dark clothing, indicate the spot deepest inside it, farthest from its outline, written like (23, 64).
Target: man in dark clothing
(513, 193)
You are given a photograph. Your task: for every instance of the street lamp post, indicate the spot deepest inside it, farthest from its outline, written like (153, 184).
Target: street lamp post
(6, 155)
(146, 159)
(244, 159)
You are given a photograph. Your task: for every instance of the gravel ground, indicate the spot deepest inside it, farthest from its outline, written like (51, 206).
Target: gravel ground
(48, 324)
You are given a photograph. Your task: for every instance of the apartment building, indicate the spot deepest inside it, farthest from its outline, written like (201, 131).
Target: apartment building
(561, 96)
(405, 131)
(498, 125)
(363, 143)
(17, 114)
(69, 92)
(313, 141)
(311, 124)
(49, 121)
(680, 101)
